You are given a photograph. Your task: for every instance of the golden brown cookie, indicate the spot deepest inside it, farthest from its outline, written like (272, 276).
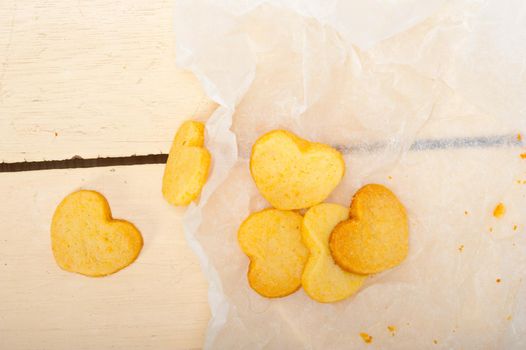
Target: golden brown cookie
(376, 237)
(272, 240)
(293, 173)
(322, 279)
(85, 238)
(188, 164)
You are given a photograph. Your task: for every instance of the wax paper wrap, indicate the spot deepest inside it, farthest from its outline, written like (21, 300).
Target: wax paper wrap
(425, 97)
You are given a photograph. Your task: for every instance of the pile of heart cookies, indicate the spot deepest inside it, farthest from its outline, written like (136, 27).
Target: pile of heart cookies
(330, 249)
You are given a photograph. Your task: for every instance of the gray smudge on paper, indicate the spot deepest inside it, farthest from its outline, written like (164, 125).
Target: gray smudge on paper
(439, 144)
(494, 141)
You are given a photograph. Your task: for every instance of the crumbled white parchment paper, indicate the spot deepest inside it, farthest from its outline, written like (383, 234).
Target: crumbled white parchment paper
(426, 97)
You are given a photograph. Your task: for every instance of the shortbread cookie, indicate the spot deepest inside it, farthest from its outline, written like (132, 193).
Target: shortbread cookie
(323, 280)
(86, 239)
(272, 240)
(293, 173)
(187, 166)
(376, 237)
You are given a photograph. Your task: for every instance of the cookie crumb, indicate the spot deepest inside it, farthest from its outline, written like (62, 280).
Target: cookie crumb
(390, 177)
(491, 229)
(499, 210)
(461, 248)
(366, 338)
(56, 134)
(519, 137)
(466, 212)
(392, 329)
(514, 227)
(435, 341)
(509, 318)
(498, 280)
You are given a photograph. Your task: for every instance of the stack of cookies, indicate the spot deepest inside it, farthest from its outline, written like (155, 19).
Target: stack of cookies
(331, 249)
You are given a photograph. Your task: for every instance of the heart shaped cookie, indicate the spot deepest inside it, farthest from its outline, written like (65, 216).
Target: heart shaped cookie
(187, 166)
(323, 280)
(272, 240)
(376, 237)
(293, 173)
(85, 238)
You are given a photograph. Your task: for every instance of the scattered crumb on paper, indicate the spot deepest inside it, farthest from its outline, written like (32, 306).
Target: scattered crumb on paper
(366, 338)
(499, 210)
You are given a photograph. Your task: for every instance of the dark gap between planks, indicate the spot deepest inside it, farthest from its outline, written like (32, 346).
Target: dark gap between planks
(78, 162)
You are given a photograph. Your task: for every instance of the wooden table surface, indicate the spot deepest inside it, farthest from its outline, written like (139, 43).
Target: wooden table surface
(94, 78)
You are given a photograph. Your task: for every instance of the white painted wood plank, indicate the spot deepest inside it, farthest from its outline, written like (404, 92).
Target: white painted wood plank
(159, 302)
(91, 78)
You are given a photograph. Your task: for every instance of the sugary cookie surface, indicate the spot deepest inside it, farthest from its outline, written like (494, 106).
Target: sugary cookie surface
(323, 280)
(376, 237)
(188, 164)
(85, 238)
(293, 173)
(272, 240)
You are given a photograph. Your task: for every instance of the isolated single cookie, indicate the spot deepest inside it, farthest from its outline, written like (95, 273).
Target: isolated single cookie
(293, 173)
(272, 240)
(85, 238)
(376, 237)
(323, 280)
(188, 164)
